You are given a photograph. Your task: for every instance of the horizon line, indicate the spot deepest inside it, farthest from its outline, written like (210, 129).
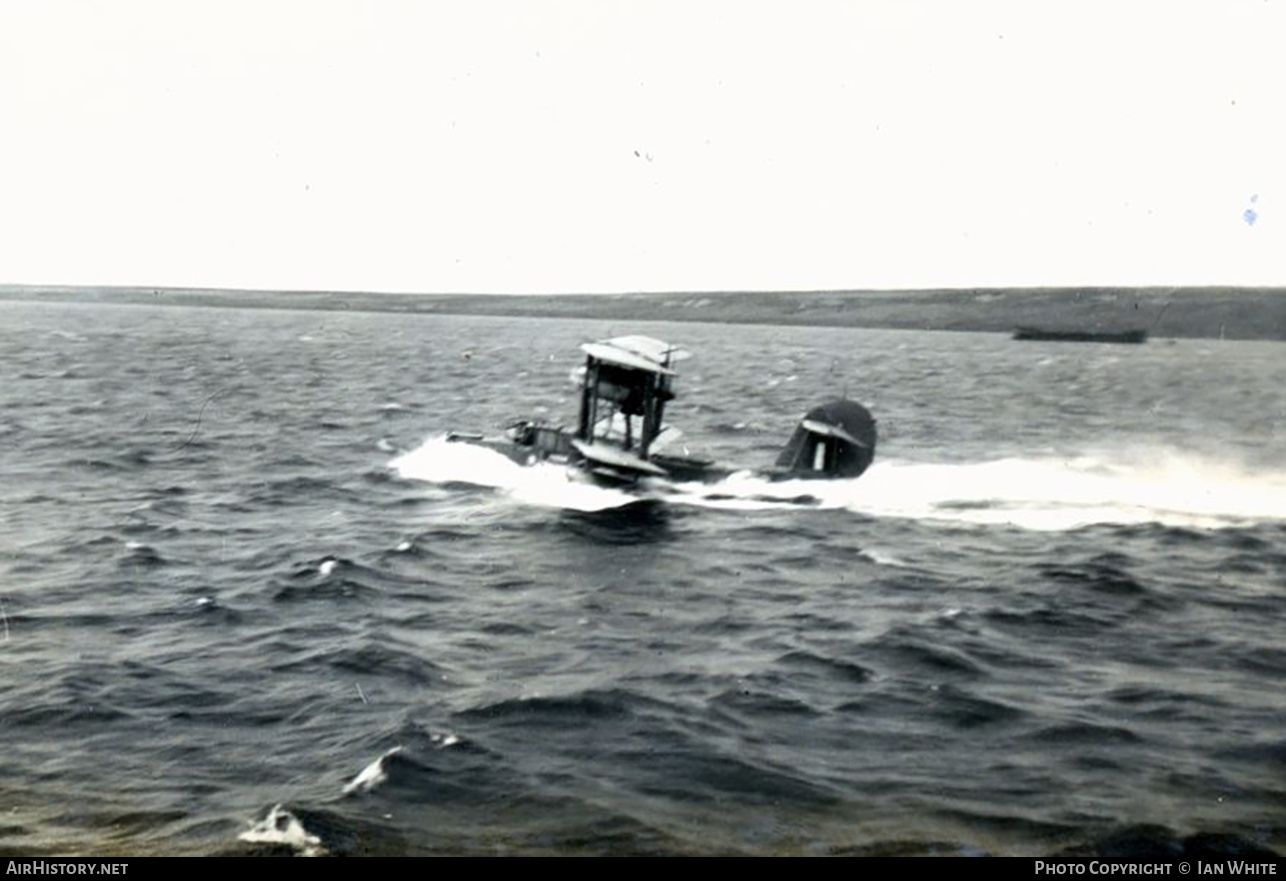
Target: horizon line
(170, 288)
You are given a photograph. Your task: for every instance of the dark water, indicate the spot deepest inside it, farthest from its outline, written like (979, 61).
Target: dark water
(249, 601)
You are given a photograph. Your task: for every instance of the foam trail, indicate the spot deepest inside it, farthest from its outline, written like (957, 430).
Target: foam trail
(1121, 487)
(1170, 488)
(548, 485)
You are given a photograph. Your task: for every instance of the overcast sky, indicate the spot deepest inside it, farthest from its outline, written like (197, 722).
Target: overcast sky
(599, 146)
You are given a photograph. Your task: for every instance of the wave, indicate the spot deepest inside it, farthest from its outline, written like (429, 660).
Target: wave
(373, 775)
(280, 827)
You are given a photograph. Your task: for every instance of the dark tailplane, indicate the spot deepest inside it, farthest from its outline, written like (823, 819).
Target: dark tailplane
(836, 439)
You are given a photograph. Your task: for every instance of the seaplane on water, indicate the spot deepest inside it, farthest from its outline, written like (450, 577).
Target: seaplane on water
(621, 435)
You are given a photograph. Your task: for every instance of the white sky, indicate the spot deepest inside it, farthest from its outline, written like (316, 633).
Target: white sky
(491, 146)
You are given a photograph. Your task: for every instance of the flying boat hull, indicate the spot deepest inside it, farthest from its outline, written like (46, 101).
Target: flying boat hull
(626, 384)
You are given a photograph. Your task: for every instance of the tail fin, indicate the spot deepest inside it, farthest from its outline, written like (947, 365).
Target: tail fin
(836, 439)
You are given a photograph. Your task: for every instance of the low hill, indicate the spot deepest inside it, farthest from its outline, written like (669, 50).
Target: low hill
(1211, 312)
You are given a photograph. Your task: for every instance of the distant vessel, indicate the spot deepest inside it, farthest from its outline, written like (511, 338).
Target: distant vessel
(620, 435)
(1081, 336)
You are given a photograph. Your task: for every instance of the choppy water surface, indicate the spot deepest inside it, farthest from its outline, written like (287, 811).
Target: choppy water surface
(251, 601)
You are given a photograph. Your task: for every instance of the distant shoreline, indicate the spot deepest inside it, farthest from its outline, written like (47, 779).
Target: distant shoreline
(1196, 312)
